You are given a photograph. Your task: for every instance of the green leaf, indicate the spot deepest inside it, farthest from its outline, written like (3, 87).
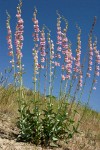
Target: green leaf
(75, 130)
(54, 139)
(70, 135)
(53, 145)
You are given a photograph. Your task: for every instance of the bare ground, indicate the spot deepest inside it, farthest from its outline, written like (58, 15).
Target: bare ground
(9, 132)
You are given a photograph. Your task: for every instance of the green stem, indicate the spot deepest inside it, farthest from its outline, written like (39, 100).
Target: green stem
(50, 75)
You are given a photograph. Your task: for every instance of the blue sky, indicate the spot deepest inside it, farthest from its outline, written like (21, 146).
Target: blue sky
(81, 12)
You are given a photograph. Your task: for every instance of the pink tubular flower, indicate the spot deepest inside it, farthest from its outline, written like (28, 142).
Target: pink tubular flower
(57, 64)
(59, 48)
(42, 59)
(88, 75)
(94, 88)
(97, 67)
(63, 77)
(67, 76)
(11, 53)
(97, 73)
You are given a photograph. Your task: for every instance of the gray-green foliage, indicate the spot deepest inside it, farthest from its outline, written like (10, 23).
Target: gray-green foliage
(45, 126)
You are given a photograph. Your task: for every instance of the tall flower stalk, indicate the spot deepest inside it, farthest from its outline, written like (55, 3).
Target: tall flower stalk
(35, 49)
(46, 57)
(19, 44)
(51, 47)
(42, 53)
(77, 68)
(58, 51)
(10, 45)
(64, 51)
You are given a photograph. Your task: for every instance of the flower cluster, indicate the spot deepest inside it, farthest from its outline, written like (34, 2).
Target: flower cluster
(68, 59)
(9, 40)
(36, 27)
(59, 41)
(51, 47)
(52, 56)
(97, 72)
(97, 63)
(19, 37)
(78, 54)
(42, 47)
(64, 40)
(36, 66)
(52, 50)
(90, 54)
(91, 49)
(59, 34)
(78, 69)
(96, 54)
(35, 49)
(80, 78)
(90, 63)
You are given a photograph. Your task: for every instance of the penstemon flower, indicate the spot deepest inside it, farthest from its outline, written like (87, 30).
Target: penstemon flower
(64, 37)
(35, 50)
(19, 42)
(42, 46)
(51, 46)
(90, 54)
(52, 50)
(90, 62)
(35, 55)
(78, 69)
(97, 61)
(59, 41)
(97, 53)
(36, 27)
(63, 77)
(69, 61)
(66, 52)
(78, 53)
(94, 88)
(80, 79)
(9, 41)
